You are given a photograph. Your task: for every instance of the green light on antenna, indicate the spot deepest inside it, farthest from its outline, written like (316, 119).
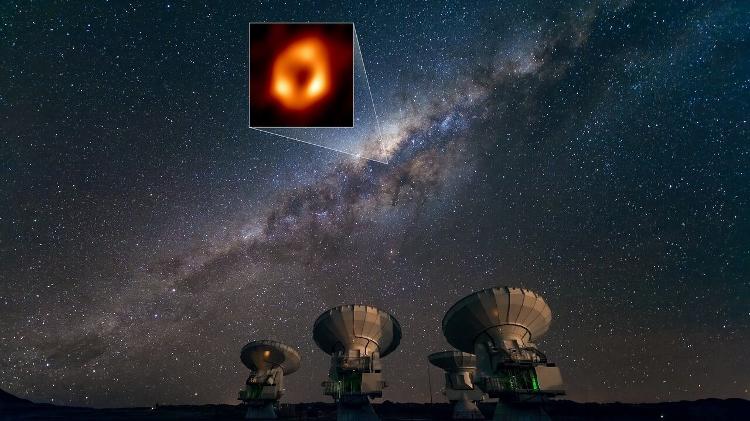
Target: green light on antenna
(534, 382)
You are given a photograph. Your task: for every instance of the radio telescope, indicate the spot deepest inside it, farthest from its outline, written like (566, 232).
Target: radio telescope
(356, 337)
(499, 325)
(268, 361)
(459, 383)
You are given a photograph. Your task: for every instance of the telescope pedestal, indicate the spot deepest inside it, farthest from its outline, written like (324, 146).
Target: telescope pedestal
(355, 408)
(465, 409)
(515, 412)
(262, 411)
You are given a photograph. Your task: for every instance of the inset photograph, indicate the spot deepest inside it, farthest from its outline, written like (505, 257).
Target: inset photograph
(301, 75)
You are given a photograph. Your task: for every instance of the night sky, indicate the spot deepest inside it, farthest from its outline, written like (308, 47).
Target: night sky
(594, 153)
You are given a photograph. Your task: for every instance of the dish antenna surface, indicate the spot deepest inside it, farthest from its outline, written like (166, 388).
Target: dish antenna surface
(268, 361)
(356, 337)
(460, 390)
(499, 325)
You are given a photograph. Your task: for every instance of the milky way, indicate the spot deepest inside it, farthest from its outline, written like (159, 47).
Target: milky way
(594, 153)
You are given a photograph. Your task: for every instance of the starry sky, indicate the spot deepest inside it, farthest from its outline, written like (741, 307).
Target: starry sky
(594, 152)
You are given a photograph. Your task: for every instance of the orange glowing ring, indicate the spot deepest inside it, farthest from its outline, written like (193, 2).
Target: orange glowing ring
(301, 74)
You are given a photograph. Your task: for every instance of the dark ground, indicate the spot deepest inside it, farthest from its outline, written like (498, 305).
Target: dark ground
(13, 408)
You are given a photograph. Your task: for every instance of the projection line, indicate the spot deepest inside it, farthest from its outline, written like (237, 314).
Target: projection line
(372, 103)
(319, 145)
(367, 80)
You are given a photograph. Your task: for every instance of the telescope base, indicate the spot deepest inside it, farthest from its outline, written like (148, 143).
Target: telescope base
(519, 412)
(355, 408)
(262, 411)
(466, 410)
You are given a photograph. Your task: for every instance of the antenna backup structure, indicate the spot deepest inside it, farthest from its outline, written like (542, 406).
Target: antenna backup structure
(498, 325)
(269, 362)
(356, 337)
(460, 390)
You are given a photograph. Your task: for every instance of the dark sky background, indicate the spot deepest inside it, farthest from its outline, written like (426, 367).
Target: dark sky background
(595, 153)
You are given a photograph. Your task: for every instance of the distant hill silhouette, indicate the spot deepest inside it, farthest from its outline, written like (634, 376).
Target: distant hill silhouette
(8, 399)
(13, 408)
